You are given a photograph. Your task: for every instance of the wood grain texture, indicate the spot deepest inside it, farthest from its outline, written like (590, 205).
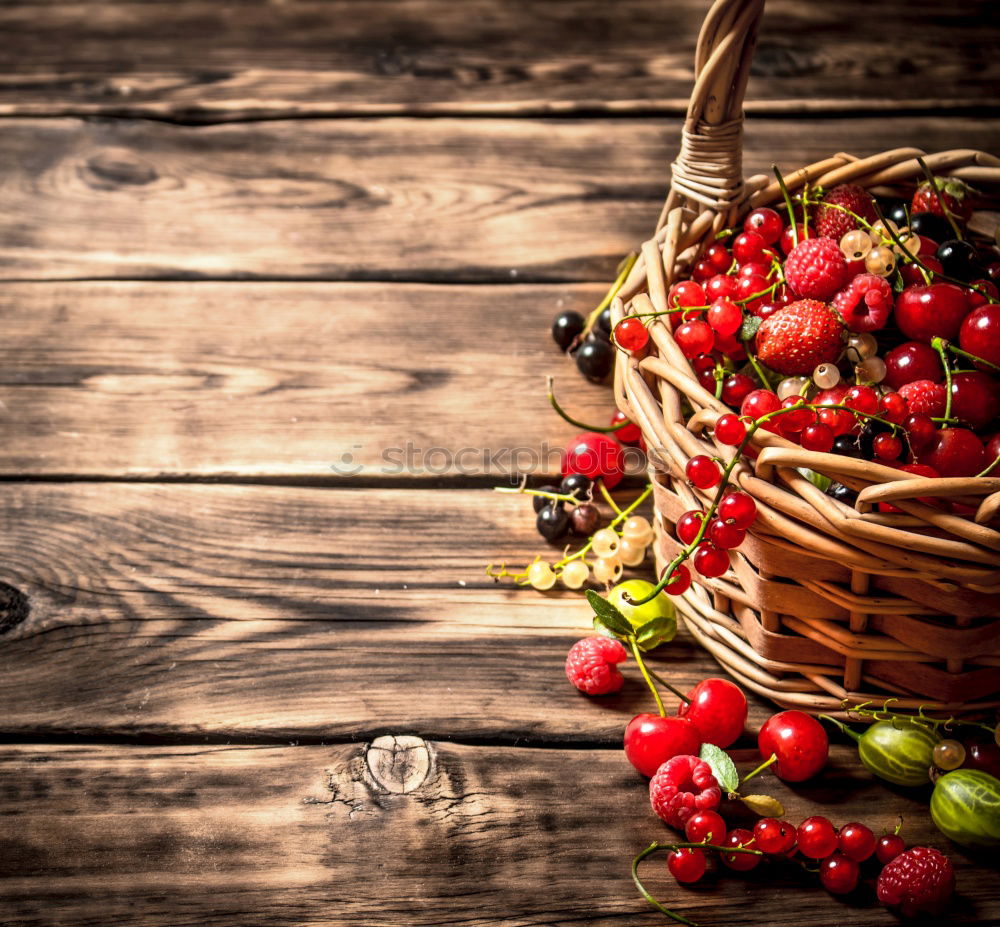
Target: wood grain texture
(439, 200)
(200, 60)
(396, 832)
(279, 612)
(252, 379)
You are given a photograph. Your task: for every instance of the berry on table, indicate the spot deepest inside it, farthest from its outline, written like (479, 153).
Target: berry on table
(705, 827)
(703, 472)
(577, 485)
(686, 864)
(605, 543)
(651, 740)
(816, 269)
(682, 786)
(800, 336)
(839, 874)
(594, 359)
(798, 741)
(592, 665)
(540, 502)
(816, 837)
(566, 327)
(740, 862)
(574, 574)
(595, 456)
(540, 576)
(856, 841)
(631, 433)
(638, 530)
(631, 554)
(608, 569)
(552, 522)
(888, 847)
(584, 519)
(718, 708)
(774, 837)
(921, 880)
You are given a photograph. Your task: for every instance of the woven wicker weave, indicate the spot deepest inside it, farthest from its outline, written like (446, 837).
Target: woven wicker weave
(823, 602)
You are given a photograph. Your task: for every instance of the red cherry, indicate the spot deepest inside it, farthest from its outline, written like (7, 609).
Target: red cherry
(955, 452)
(993, 454)
(709, 561)
(694, 338)
(688, 526)
(730, 430)
(680, 581)
(976, 296)
(705, 825)
(766, 223)
(651, 740)
(738, 508)
(923, 312)
(839, 874)
(975, 398)
(720, 286)
(631, 434)
(980, 333)
(889, 847)
(748, 246)
(919, 470)
(887, 446)
(740, 862)
(736, 388)
(686, 864)
(817, 838)
(703, 472)
(856, 841)
(798, 741)
(818, 437)
(595, 456)
(631, 334)
(774, 837)
(725, 536)
(911, 361)
(718, 709)
(920, 431)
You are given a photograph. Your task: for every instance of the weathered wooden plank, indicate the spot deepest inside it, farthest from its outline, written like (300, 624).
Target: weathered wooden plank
(251, 379)
(200, 60)
(402, 831)
(360, 199)
(250, 611)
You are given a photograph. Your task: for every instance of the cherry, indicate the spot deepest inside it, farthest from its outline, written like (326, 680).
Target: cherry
(748, 246)
(911, 361)
(730, 430)
(651, 740)
(959, 259)
(718, 709)
(631, 334)
(724, 316)
(705, 826)
(630, 434)
(736, 388)
(566, 327)
(720, 287)
(688, 526)
(595, 456)
(740, 862)
(923, 312)
(680, 581)
(984, 755)
(686, 864)
(955, 452)
(889, 846)
(975, 398)
(817, 837)
(856, 841)
(818, 437)
(980, 333)
(766, 223)
(977, 296)
(725, 536)
(920, 431)
(799, 743)
(993, 454)
(703, 472)
(887, 446)
(839, 874)
(709, 561)
(774, 837)
(718, 256)
(738, 508)
(788, 239)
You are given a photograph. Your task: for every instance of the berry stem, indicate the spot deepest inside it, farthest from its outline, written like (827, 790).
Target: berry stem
(634, 644)
(663, 682)
(986, 472)
(971, 357)
(939, 345)
(843, 727)
(623, 271)
(758, 370)
(545, 494)
(788, 204)
(932, 180)
(614, 523)
(773, 759)
(565, 416)
(607, 497)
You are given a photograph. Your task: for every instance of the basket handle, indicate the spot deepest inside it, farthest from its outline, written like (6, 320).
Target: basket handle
(708, 172)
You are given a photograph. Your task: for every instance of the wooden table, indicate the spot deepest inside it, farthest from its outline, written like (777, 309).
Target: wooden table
(241, 240)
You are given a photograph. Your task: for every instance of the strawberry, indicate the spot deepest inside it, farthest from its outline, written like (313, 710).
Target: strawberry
(835, 223)
(954, 197)
(799, 337)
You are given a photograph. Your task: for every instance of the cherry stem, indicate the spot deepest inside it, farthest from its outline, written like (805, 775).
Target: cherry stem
(645, 675)
(623, 271)
(663, 682)
(758, 370)
(971, 357)
(788, 204)
(773, 759)
(607, 497)
(939, 345)
(986, 472)
(563, 414)
(843, 727)
(932, 180)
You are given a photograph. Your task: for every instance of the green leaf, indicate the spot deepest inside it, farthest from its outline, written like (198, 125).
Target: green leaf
(723, 768)
(898, 284)
(817, 479)
(749, 327)
(655, 632)
(763, 805)
(608, 615)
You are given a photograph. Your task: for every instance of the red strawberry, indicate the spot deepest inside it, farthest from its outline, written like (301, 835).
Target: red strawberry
(816, 268)
(800, 336)
(835, 223)
(954, 194)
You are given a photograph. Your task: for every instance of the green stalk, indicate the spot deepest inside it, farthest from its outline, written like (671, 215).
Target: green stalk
(788, 204)
(773, 759)
(645, 675)
(843, 727)
(932, 180)
(563, 414)
(663, 682)
(939, 345)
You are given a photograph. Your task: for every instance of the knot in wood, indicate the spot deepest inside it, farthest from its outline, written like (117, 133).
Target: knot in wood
(399, 764)
(14, 607)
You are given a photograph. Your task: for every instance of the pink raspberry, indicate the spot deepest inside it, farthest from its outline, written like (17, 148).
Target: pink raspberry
(834, 223)
(681, 787)
(816, 268)
(590, 665)
(921, 880)
(865, 303)
(925, 397)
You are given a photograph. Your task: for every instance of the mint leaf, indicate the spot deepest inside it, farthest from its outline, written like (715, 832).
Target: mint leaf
(609, 616)
(749, 327)
(723, 768)
(655, 632)
(763, 805)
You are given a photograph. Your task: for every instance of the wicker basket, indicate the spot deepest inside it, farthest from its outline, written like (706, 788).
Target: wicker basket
(823, 602)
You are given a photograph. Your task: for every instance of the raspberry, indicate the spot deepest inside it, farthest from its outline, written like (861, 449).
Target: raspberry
(835, 223)
(955, 196)
(865, 303)
(816, 268)
(924, 397)
(590, 665)
(799, 337)
(681, 787)
(919, 880)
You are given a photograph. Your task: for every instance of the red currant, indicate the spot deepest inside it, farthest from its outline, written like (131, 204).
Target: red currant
(703, 472)
(717, 255)
(816, 837)
(631, 334)
(748, 246)
(736, 388)
(856, 841)
(920, 431)
(887, 447)
(794, 422)
(686, 294)
(702, 270)
(705, 827)
(687, 864)
(651, 740)
(759, 403)
(766, 223)
(889, 846)
(894, 407)
(839, 874)
(862, 399)
(694, 338)
(740, 862)
(721, 287)
(839, 421)
(798, 741)
(679, 582)
(725, 536)
(751, 288)
(688, 526)
(725, 316)
(788, 240)
(730, 430)
(718, 709)
(818, 437)
(630, 434)
(738, 508)
(774, 837)
(709, 561)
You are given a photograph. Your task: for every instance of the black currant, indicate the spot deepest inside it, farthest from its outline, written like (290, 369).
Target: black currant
(575, 484)
(552, 522)
(895, 210)
(539, 502)
(959, 260)
(594, 359)
(931, 226)
(566, 327)
(846, 445)
(584, 519)
(841, 493)
(604, 322)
